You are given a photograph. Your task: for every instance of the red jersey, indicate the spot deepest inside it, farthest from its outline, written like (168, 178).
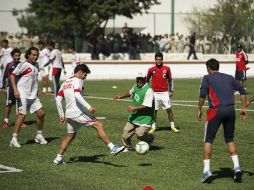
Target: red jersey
(241, 61)
(161, 78)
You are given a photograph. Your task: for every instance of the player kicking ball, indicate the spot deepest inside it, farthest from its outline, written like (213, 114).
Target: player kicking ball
(78, 113)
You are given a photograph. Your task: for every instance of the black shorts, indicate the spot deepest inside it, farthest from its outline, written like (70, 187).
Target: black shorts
(217, 116)
(240, 75)
(10, 98)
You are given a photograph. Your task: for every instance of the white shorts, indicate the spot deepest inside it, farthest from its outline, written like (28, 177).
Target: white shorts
(44, 71)
(85, 120)
(32, 104)
(162, 98)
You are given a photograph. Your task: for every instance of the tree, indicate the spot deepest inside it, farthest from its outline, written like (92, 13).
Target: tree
(233, 17)
(64, 20)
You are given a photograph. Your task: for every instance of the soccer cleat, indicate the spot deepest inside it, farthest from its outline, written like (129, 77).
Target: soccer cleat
(237, 175)
(5, 125)
(40, 139)
(174, 130)
(58, 162)
(206, 177)
(116, 150)
(15, 143)
(151, 131)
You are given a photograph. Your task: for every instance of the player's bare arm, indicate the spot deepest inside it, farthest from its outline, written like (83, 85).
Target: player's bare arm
(200, 105)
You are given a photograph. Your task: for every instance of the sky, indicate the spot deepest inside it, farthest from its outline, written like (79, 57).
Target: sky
(158, 24)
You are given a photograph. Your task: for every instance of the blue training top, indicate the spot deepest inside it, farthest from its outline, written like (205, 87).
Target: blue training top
(219, 88)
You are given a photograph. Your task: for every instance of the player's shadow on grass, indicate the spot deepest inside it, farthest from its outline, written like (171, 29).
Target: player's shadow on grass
(154, 148)
(227, 173)
(49, 139)
(93, 159)
(26, 122)
(166, 128)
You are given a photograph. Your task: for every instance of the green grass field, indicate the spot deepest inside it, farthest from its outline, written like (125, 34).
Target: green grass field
(174, 162)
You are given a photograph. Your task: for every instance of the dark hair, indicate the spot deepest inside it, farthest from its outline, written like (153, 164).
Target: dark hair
(6, 41)
(40, 42)
(213, 64)
(82, 67)
(72, 47)
(28, 52)
(15, 50)
(158, 54)
(51, 43)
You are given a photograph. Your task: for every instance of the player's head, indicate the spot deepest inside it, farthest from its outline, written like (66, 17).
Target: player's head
(71, 49)
(16, 53)
(212, 65)
(32, 54)
(81, 71)
(141, 80)
(239, 47)
(51, 45)
(5, 43)
(158, 58)
(40, 44)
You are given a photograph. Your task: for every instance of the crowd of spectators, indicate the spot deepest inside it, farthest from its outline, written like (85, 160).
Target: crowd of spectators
(135, 43)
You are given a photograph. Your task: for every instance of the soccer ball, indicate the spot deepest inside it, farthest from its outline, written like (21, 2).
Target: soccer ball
(142, 147)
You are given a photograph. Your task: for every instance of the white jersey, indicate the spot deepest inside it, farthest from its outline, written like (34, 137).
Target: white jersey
(43, 57)
(6, 56)
(56, 57)
(28, 82)
(75, 103)
(75, 60)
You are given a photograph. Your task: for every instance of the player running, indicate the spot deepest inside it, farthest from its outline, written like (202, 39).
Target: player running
(78, 112)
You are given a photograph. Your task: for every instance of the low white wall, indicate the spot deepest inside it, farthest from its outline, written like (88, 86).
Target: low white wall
(129, 71)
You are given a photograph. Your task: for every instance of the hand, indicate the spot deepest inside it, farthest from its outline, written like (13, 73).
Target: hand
(131, 108)
(62, 120)
(199, 116)
(16, 94)
(170, 94)
(243, 114)
(92, 110)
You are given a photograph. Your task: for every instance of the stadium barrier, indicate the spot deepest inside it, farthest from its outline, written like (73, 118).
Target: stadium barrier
(129, 69)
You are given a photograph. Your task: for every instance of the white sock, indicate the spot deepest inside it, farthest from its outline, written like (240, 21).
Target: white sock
(206, 165)
(235, 161)
(39, 132)
(172, 124)
(111, 145)
(59, 157)
(6, 120)
(154, 125)
(44, 89)
(14, 136)
(49, 89)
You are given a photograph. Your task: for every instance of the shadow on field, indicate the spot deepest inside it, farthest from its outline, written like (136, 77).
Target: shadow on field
(94, 159)
(26, 122)
(166, 128)
(49, 139)
(154, 148)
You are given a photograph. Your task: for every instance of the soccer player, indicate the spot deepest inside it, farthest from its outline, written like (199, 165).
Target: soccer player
(58, 65)
(141, 112)
(75, 59)
(241, 62)
(162, 85)
(78, 112)
(44, 70)
(26, 90)
(5, 56)
(219, 88)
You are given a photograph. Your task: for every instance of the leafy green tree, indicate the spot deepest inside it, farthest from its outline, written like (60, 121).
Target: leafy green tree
(66, 20)
(233, 17)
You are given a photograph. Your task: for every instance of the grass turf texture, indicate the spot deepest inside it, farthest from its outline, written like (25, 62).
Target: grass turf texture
(174, 162)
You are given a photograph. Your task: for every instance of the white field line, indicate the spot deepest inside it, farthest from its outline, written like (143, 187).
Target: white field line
(9, 169)
(175, 104)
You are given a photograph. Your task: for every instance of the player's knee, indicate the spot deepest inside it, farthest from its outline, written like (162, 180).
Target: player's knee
(41, 113)
(98, 125)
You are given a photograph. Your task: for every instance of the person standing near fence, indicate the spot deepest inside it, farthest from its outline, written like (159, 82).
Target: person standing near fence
(192, 46)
